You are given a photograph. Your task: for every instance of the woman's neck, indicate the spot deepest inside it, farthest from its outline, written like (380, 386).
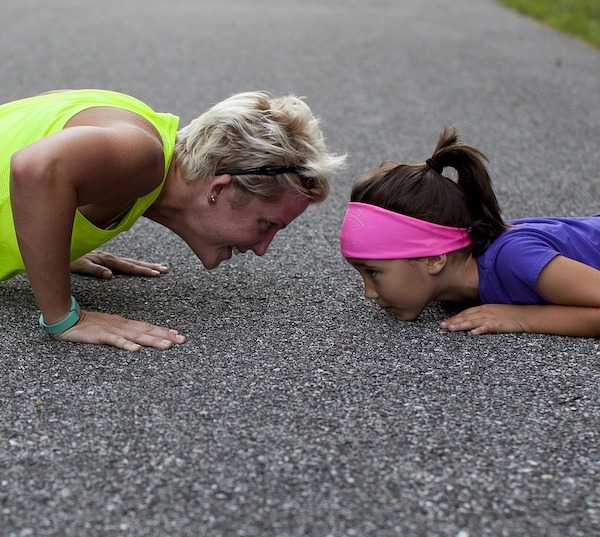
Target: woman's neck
(168, 207)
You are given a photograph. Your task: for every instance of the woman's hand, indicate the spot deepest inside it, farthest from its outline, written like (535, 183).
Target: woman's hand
(102, 265)
(487, 319)
(104, 329)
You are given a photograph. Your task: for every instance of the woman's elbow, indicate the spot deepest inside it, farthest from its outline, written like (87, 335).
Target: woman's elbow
(26, 171)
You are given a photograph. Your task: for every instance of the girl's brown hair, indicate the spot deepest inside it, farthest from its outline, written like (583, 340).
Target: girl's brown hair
(421, 191)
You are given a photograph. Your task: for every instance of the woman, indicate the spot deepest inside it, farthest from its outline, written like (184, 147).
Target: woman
(79, 167)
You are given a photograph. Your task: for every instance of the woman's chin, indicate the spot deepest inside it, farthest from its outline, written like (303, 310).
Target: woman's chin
(210, 264)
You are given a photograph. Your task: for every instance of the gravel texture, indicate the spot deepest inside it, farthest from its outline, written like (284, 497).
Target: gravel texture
(297, 408)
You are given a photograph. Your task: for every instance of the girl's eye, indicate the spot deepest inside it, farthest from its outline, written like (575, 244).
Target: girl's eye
(372, 273)
(270, 226)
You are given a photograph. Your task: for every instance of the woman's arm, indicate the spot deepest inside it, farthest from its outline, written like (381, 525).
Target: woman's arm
(573, 288)
(78, 166)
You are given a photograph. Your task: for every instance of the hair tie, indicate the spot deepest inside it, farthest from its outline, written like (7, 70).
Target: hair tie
(434, 164)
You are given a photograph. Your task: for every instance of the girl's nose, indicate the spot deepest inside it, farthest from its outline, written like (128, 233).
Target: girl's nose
(370, 291)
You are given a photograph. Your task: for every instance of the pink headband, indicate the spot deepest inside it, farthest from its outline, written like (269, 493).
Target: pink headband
(370, 232)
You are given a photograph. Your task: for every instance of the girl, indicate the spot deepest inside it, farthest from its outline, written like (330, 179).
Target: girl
(417, 236)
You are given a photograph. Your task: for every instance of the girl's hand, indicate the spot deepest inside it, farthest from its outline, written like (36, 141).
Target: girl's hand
(573, 290)
(102, 265)
(104, 329)
(487, 319)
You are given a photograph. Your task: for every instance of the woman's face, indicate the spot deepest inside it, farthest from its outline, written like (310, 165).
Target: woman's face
(242, 223)
(402, 287)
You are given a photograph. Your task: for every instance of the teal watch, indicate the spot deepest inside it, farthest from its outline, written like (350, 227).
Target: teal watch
(70, 320)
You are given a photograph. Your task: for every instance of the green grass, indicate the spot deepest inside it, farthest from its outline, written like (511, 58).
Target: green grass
(576, 17)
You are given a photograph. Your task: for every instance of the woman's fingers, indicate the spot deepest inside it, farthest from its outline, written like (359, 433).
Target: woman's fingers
(84, 265)
(133, 267)
(103, 329)
(102, 265)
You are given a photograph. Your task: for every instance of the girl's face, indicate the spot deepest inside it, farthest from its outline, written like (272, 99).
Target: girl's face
(402, 287)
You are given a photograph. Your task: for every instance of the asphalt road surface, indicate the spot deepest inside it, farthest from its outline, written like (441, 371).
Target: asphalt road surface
(297, 408)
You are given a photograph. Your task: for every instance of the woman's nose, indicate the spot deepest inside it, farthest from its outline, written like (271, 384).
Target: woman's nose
(260, 247)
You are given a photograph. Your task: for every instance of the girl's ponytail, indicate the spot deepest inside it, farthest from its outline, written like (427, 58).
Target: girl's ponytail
(475, 182)
(423, 192)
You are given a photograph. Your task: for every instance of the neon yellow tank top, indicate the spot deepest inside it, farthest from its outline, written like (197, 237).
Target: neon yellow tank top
(27, 120)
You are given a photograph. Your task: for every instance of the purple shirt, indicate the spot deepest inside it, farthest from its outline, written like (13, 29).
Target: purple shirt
(510, 267)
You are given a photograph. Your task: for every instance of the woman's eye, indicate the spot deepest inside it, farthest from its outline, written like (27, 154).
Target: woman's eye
(270, 226)
(372, 273)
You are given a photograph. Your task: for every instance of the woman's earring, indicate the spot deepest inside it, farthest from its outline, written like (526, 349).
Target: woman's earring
(212, 199)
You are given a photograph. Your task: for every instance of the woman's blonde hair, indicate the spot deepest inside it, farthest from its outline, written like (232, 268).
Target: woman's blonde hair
(255, 129)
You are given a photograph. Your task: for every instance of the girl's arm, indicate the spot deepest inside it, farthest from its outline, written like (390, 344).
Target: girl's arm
(78, 166)
(573, 288)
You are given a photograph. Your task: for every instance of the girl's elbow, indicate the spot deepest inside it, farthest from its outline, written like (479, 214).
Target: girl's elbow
(596, 323)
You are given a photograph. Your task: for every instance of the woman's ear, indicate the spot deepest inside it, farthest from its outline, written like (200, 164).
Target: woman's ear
(218, 183)
(436, 263)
